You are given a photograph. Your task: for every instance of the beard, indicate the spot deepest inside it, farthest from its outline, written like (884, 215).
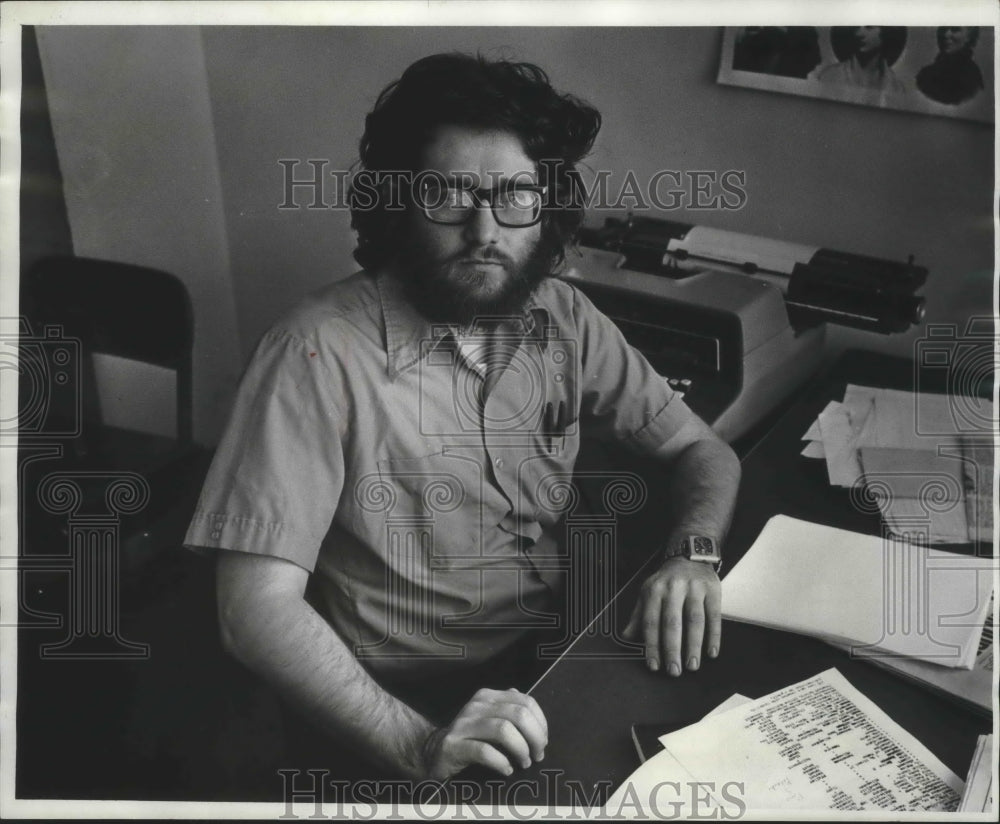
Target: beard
(447, 291)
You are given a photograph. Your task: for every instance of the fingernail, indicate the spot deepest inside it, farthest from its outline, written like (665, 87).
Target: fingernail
(653, 664)
(526, 763)
(713, 651)
(693, 662)
(508, 770)
(675, 668)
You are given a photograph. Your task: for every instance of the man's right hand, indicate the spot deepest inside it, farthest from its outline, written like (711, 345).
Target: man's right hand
(495, 729)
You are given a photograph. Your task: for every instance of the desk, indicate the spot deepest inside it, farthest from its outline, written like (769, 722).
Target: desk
(591, 699)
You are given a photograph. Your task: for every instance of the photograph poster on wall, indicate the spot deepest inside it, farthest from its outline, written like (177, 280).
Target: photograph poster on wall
(944, 70)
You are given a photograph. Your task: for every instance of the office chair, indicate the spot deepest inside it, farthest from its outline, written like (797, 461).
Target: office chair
(134, 313)
(120, 309)
(155, 712)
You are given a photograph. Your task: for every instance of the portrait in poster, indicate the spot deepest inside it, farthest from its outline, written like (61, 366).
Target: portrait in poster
(943, 70)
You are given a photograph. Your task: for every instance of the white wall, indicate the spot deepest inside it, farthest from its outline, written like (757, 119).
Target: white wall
(170, 139)
(851, 178)
(133, 126)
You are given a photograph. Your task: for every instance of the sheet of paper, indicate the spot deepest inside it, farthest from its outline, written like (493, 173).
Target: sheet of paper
(972, 688)
(908, 519)
(978, 795)
(877, 595)
(813, 433)
(915, 421)
(651, 789)
(921, 493)
(915, 473)
(814, 449)
(816, 745)
(732, 702)
(918, 420)
(838, 446)
(950, 415)
(891, 417)
(859, 401)
(663, 767)
(910, 420)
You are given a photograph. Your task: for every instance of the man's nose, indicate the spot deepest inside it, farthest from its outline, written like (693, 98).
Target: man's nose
(482, 227)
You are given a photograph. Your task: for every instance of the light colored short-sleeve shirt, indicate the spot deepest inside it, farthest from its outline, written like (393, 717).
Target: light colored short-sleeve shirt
(373, 449)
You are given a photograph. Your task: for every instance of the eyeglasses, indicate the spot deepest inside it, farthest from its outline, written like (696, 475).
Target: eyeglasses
(513, 205)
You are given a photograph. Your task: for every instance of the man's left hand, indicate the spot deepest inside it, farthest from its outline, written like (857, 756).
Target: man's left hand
(679, 613)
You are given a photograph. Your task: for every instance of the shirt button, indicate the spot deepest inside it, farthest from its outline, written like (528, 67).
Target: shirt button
(498, 463)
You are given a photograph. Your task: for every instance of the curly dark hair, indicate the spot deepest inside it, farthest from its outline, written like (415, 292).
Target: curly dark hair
(556, 131)
(893, 42)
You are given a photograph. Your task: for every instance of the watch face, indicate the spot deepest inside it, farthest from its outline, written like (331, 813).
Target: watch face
(702, 546)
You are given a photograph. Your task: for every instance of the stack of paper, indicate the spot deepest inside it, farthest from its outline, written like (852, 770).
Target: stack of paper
(927, 460)
(880, 597)
(816, 745)
(971, 688)
(978, 795)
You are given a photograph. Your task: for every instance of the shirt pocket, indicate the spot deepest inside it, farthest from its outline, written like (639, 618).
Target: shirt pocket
(441, 503)
(543, 478)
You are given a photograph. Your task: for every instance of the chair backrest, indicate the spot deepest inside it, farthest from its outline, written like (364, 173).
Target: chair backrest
(121, 309)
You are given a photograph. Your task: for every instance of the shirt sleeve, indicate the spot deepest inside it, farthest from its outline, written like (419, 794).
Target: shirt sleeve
(622, 396)
(278, 473)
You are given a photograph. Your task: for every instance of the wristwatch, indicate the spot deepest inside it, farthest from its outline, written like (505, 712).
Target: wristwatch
(697, 548)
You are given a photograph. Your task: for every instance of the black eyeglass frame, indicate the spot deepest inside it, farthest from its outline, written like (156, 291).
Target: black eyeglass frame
(479, 196)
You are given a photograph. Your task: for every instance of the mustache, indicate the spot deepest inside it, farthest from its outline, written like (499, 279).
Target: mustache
(482, 255)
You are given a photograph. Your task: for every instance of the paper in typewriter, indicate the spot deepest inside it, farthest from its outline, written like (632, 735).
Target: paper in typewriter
(816, 745)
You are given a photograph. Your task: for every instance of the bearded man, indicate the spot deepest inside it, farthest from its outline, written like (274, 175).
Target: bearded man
(380, 501)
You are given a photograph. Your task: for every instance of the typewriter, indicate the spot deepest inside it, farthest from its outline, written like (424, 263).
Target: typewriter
(735, 322)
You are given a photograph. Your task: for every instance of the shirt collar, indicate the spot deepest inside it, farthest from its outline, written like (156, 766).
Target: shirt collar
(409, 336)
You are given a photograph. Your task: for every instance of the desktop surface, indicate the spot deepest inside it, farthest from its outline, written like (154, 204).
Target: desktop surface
(189, 723)
(600, 687)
